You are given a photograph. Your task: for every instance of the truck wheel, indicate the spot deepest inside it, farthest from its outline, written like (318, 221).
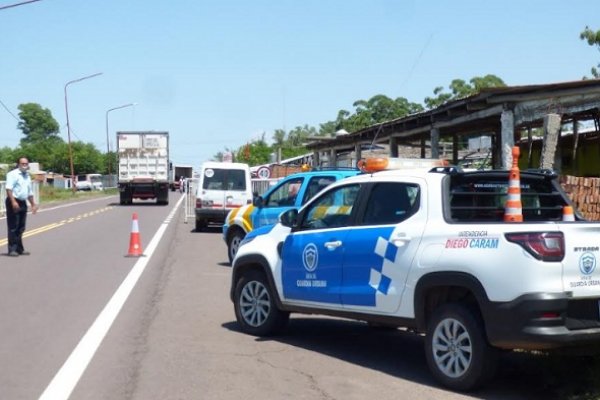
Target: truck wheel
(457, 350)
(233, 244)
(255, 308)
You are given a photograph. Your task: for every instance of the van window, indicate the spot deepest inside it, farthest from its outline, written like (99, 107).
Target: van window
(224, 179)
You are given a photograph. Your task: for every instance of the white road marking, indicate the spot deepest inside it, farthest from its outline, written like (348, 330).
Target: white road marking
(69, 374)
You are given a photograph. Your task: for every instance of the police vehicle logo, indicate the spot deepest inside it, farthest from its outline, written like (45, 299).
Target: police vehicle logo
(587, 263)
(310, 257)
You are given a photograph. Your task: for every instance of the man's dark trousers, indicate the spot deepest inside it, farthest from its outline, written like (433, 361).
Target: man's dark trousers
(16, 225)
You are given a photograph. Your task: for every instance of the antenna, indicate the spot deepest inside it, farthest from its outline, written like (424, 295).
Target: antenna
(376, 134)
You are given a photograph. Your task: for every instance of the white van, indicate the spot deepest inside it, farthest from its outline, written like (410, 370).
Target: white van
(223, 186)
(89, 182)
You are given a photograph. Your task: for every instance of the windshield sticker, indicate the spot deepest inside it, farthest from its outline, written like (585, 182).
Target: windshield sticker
(498, 185)
(209, 172)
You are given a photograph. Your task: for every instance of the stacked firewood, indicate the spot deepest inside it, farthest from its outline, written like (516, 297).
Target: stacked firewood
(585, 194)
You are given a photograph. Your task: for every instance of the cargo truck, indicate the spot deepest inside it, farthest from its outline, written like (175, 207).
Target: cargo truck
(177, 171)
(143, 166)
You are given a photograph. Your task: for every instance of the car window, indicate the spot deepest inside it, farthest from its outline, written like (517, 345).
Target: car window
(332, 209)
(391, 202)
(482, 198)
(315, 185)
(284, 195)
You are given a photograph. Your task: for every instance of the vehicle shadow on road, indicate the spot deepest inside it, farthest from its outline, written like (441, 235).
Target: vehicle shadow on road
(209, 229)
(400, 353)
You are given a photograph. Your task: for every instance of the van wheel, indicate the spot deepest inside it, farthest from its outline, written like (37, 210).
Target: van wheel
(255, 307)
(457, 350)
(233, 244)
(200, 225)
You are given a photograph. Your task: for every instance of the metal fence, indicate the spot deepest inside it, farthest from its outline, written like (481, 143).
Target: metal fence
(259, 186)
(189, 202)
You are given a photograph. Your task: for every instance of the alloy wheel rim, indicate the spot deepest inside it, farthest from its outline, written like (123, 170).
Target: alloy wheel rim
(255, 303)
(452, 348)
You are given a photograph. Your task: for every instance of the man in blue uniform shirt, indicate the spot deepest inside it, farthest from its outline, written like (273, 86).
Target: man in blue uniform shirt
(18, 191)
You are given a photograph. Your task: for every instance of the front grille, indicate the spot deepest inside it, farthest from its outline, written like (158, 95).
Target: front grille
(583, 314)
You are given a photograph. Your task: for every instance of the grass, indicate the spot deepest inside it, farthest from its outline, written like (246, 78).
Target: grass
(49, 194)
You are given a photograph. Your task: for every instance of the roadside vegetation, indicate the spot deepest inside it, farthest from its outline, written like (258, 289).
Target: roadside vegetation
(49, 194)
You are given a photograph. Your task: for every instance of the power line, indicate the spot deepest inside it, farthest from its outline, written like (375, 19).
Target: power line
(8, 111)
(18, 4)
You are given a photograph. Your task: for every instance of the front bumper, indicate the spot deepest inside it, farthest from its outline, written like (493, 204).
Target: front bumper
(216, 216)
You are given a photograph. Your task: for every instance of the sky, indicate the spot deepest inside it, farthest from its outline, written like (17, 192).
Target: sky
(218, 74)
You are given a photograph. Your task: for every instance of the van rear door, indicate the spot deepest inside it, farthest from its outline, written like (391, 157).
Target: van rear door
(226, 188)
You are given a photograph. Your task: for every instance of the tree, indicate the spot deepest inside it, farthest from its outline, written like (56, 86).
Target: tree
(37, 123)
(41, 140)
(87, 159)
(460, 89)
(593, 39)
(256, 152)
(379, 108)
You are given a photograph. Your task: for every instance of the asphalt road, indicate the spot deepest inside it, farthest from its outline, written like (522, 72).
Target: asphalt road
(175, 336)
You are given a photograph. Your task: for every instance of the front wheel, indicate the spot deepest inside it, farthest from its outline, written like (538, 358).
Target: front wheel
(233, 244)
(457, 350)
(255, 308)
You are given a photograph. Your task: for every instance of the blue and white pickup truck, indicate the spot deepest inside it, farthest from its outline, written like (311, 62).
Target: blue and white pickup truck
(291, 192)
(430, 251)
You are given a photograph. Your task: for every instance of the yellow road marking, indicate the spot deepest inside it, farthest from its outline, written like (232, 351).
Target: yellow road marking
(48, 227)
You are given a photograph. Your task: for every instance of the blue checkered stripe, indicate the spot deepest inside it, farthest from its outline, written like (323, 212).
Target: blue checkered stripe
(381, 274)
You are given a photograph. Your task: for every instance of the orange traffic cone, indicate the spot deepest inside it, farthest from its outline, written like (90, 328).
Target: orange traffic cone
(135, 245)
(568, 214)
(513, 208)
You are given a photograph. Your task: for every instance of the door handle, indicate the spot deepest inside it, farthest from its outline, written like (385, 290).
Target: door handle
(333, 245)
(401, 240)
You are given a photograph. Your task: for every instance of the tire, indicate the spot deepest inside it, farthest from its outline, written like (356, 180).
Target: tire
(457, 350)
(255, 308)
(233, 243)
(200, 225)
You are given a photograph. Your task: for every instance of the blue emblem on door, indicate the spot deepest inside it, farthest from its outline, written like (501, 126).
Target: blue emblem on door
(310, 257)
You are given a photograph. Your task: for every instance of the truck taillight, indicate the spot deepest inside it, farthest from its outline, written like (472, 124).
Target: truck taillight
(545, 246)
(198, 203)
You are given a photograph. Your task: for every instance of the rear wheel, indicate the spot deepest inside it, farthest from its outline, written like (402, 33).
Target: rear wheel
(255, 308)
(233, 244)
(457, 350)
(200, 225)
